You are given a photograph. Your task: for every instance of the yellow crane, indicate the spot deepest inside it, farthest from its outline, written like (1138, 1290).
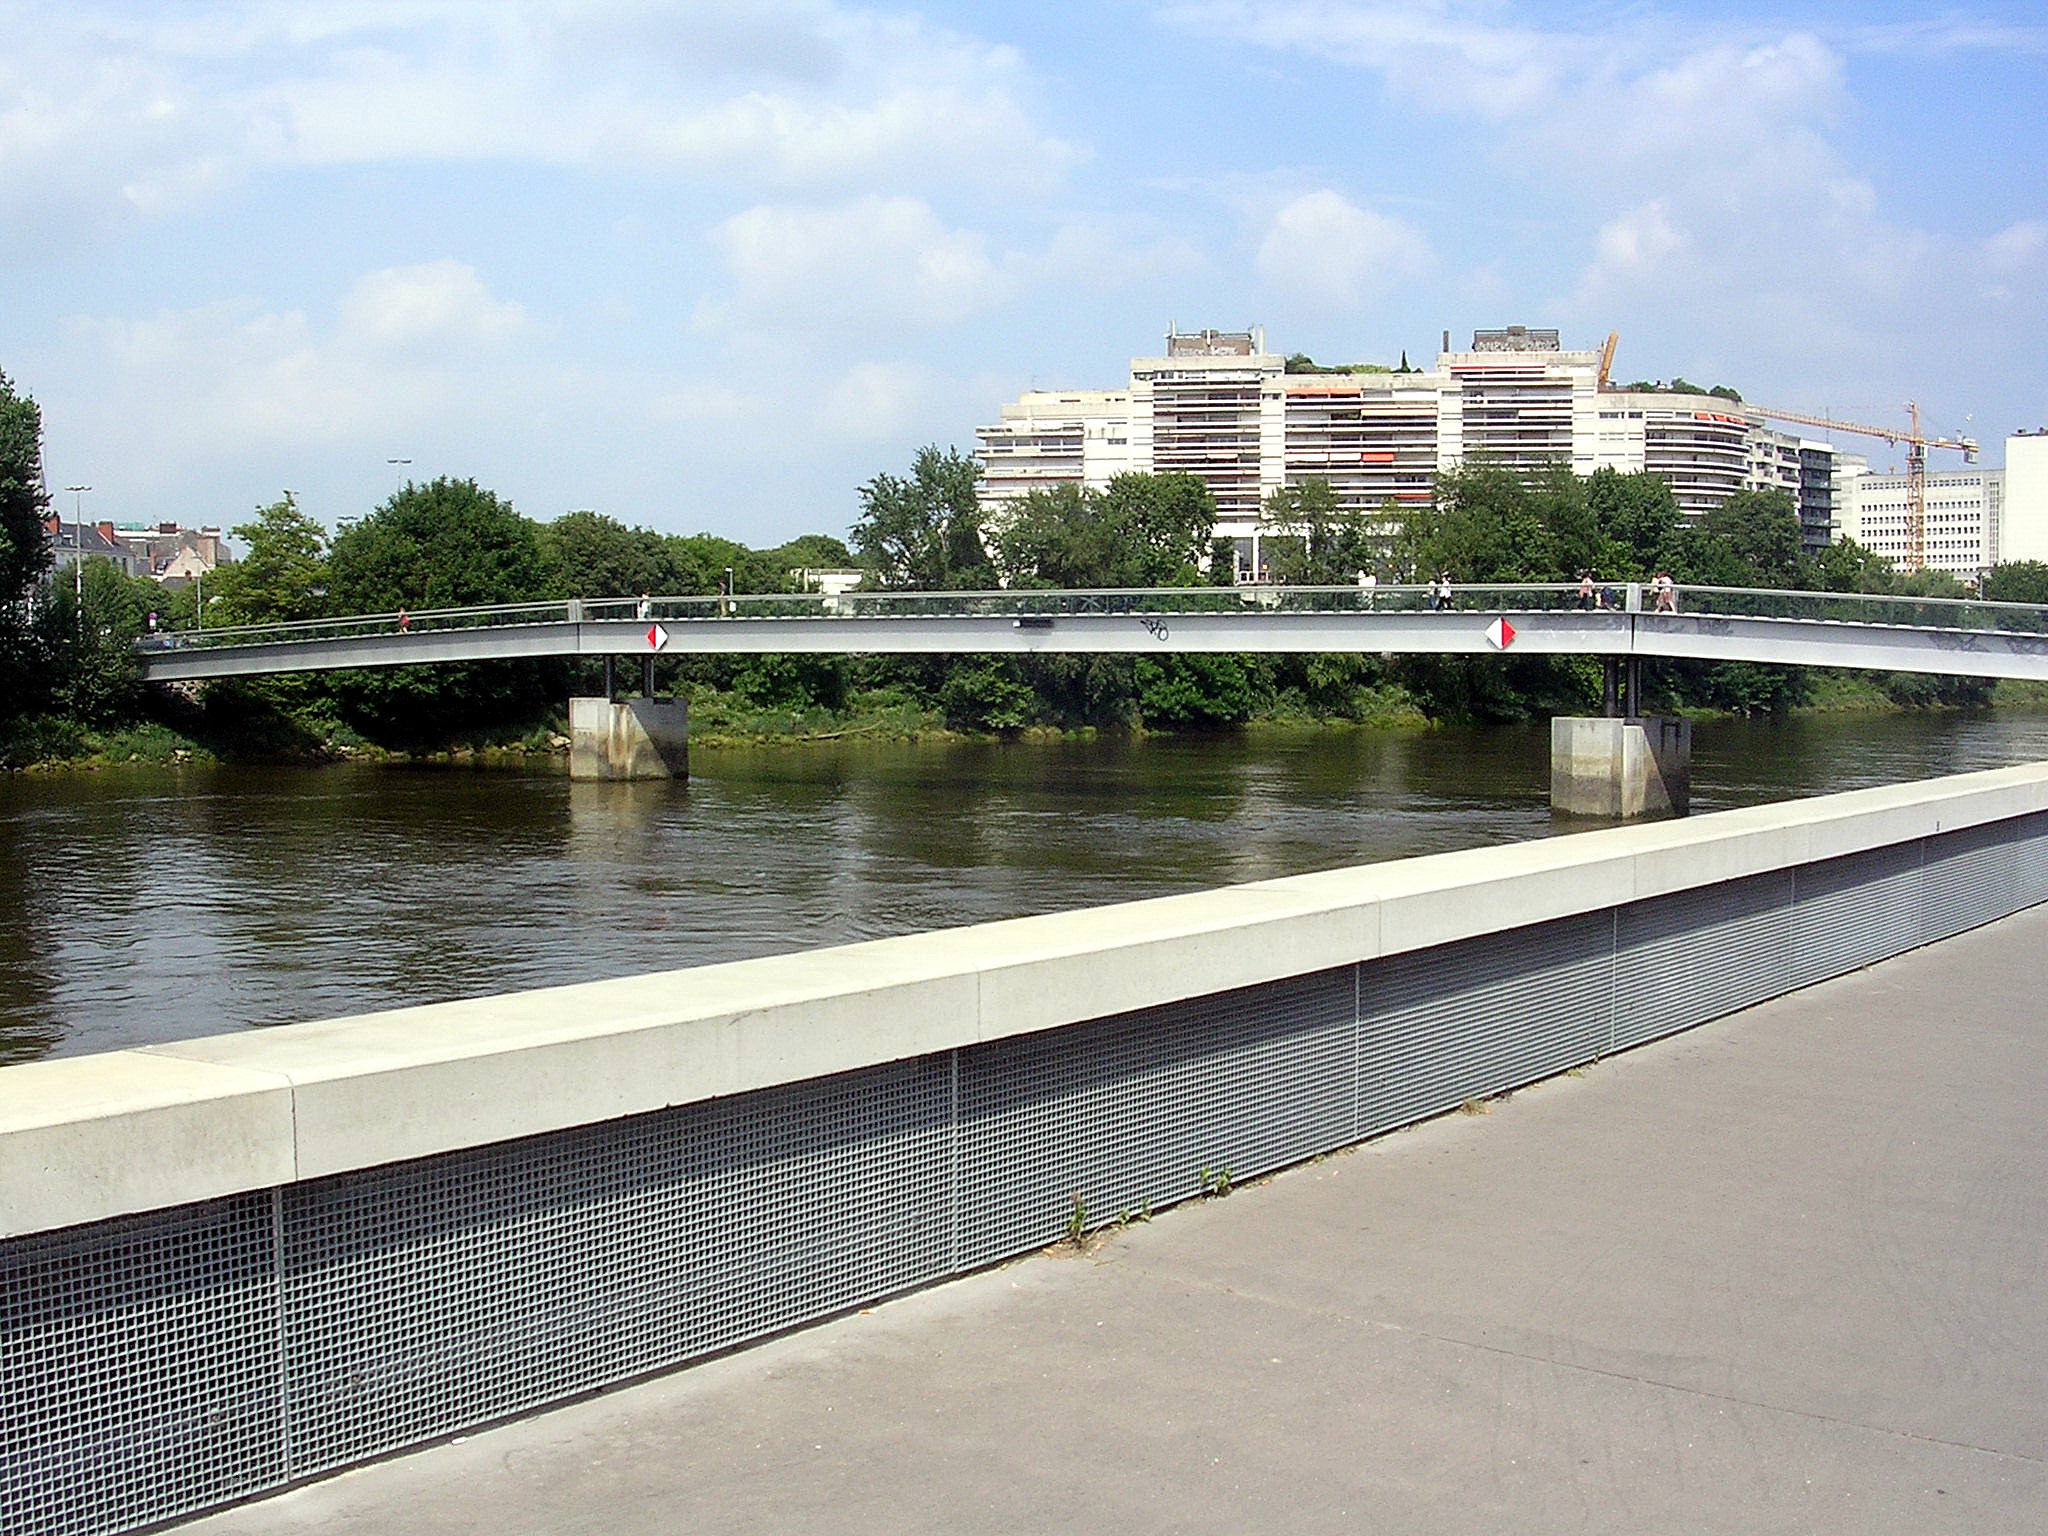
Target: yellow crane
(1917, 443)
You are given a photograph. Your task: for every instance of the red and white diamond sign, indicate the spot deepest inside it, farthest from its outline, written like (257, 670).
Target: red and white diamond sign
(657, 637)
(1500, 634)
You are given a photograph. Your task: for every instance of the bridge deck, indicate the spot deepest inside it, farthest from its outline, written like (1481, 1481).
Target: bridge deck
(1784, 1272)
(1815, 629)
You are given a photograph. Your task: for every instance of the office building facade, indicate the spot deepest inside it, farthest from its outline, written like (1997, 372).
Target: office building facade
(2023, 522)
(1964, 530)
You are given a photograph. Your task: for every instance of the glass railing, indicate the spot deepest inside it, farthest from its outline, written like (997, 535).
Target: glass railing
(1025, 603)
(1949, 613)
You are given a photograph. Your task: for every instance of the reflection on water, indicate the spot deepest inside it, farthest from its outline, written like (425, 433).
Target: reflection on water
(154, 905)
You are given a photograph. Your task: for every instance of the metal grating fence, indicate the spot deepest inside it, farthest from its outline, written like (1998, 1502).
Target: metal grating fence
(152, 1366)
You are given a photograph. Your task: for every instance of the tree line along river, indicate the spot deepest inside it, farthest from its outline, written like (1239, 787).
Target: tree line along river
(156, 904)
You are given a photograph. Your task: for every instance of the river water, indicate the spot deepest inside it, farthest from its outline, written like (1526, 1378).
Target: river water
(157, 904)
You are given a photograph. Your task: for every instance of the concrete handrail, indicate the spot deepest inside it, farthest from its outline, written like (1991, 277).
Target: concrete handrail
(90, 1137)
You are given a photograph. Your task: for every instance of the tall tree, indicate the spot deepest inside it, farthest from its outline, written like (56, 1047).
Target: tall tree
(698, 562)
(923, 531)
(283, 577)
(24, 547)
(591, 555)
(1637, 517)
(2017, 581)
(1482, 524)
(1314, 541)
(446, 544)
(1751, 539)
(1846, 566)
(1140, 531)
(813, 551)
(91, 639)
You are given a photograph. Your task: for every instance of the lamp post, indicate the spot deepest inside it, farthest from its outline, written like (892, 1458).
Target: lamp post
(78, 546)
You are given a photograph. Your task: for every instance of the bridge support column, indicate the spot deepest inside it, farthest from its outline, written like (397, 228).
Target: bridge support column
(629, 738)
(1624, 769)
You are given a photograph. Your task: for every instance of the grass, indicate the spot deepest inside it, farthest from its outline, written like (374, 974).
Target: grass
(43, 742)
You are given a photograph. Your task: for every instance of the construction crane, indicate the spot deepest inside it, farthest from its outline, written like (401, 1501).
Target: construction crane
(1917, 443)
(1607, 359)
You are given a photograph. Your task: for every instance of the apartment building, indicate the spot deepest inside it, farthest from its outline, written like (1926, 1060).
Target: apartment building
(1373, 436)
(1049, 438)
(1213, 407)
(1699, 445)
(1519, 401)
(1220, 406)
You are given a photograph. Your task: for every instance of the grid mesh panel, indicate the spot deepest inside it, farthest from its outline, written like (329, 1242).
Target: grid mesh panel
(429, 1295)
(1694, 955)
(2030, 859)
(1967, 880)
(1438, 1027)
(1854, 911)
(1124, 1110)
(138, 1368)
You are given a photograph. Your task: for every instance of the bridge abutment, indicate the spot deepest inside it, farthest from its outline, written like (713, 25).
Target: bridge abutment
(629, 738)
(1621, 769)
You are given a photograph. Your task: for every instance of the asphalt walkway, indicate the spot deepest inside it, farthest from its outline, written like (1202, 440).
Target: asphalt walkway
(1785, 1273)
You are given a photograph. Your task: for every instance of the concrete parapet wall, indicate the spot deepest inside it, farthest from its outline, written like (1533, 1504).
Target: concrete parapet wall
(262, 1256)
(84, 1138)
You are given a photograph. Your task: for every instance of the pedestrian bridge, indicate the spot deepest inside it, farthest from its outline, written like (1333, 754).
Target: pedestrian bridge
(1956, 637)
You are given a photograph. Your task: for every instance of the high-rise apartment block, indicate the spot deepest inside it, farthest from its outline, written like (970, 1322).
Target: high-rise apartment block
(1221, 407)
(1213, 407)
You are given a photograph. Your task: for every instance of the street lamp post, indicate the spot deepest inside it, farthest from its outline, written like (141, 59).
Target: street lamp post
(78, 546)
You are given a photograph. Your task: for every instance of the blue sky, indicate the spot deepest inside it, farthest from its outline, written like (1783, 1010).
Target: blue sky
(709, 266)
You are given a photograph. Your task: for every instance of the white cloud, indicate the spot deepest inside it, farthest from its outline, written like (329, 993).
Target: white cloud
(106, 113)
(911, 133)
(1429, 53)
(205, 411)
(410, 350)
(2017, 246)
(1949, 34)
(440, 303)
(1636, 245)
(876, 401)
(844, 272)
(1323, 251)
(877, 261)
(1689, 177)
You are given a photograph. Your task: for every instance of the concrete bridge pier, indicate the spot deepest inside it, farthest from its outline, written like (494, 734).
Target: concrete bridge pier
(1621, 768)
(615, 738)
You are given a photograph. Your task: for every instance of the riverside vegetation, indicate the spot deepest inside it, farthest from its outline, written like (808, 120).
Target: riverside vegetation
(69, 690)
